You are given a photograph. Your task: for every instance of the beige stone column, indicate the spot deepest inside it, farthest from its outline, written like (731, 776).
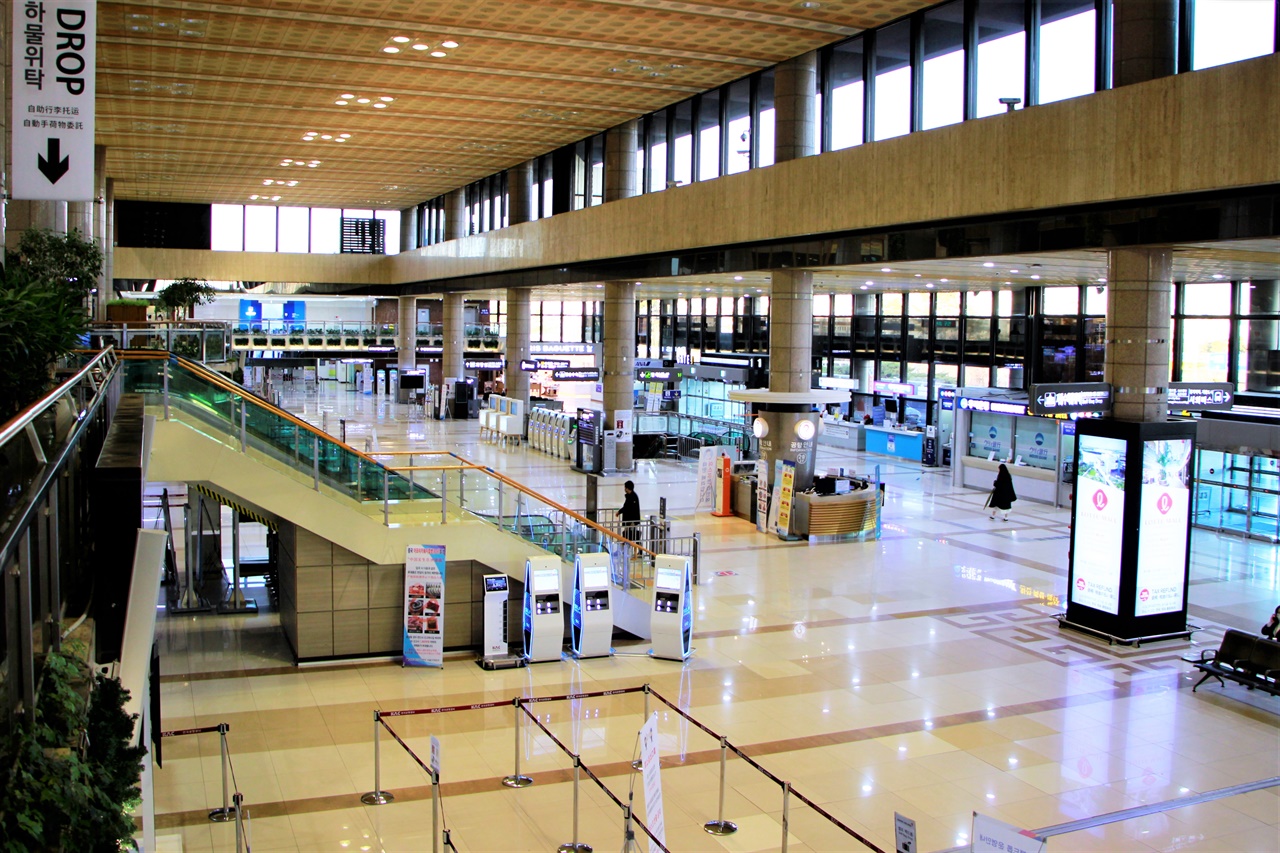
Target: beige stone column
(1139, 288)
(1144, 40)
(407, 332)
(795, 98)
(109, 239)
(454, 336)
(517, 343)
(621, 178)
(520, 194)
(100, 227)
(80, 218)
(619, 346)
(409, 228)
(455, 215)
(791, 331)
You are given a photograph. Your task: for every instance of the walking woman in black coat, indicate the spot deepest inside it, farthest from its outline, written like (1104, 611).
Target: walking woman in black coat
(1002, 494)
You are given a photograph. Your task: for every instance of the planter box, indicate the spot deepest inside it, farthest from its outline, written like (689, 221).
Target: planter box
(128, 313)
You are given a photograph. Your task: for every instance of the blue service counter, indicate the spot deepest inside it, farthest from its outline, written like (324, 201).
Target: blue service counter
(903, 444)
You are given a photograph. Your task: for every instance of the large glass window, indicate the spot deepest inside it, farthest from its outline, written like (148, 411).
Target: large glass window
(1205, 344)
(259, 228)
(709, 136)
(326, 230)
(1061, 300)
(228, 228)
(682, 143)
(739, 128)
(892, 93)
(656, 144)
(1230, 30)
(1002, 42)
(845, 114)
(943, 71)
(1211, 299)
(1067, 49)
(295, 230)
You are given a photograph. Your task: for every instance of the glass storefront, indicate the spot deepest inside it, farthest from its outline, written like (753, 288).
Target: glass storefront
(1237, 493)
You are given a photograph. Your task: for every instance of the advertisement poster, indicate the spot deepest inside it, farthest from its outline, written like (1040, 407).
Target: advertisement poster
(775, 497)
(786, 496)
(424, 605)
(1162, 536)
(649, 769)
(707, 457)
(762, 495)
(1098, 531)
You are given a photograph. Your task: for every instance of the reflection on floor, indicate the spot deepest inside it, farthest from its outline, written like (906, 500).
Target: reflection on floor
(921, 674)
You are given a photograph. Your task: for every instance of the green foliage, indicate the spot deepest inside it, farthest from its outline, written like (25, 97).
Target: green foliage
(127, 303)
(38, 324)
(185, 294)
(68, 261)
(73, 772)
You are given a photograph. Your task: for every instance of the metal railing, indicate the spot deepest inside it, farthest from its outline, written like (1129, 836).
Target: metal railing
(351, 334)
(201, 340)
(47, 454)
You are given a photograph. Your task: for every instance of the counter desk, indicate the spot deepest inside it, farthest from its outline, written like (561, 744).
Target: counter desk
(843, 434)
(900, 443)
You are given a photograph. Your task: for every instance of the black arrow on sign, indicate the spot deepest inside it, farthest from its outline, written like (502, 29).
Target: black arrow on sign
(54, 167)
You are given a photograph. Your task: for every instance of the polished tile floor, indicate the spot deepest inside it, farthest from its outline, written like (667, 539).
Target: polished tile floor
(922, 673)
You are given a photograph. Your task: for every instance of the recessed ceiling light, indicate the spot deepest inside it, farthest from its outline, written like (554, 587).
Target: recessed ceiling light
(928, 284)
(339, 139)
(917, 275)
(386, 99)
(451, 44)
(420, 46)
(344, 136)
(312, 165)
(362, 100)
(863, 287)
(885, 269)
(379, 106)
(348, 97)
(275, 198)
(400, 39)
(253, 197)
(737, 278)
(326, 136)
(1036, 277)
(266, 183)
(439, 54)
(1218, 276)
(1103, 280)
(1014, 271)
(870, 282)
(989, 264)
(341, 103)
(391, 49)
(944, 280)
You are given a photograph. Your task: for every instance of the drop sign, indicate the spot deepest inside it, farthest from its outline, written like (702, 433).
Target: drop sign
(53, 85)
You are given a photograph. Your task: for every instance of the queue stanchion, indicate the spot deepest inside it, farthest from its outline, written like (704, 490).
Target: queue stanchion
(515, 780)
(637, 764)
(575, 846)
(238, 798)
(629, 844)
(786, 813)
(435, 812)
(225, 813)
(720, 826)
(377, 797)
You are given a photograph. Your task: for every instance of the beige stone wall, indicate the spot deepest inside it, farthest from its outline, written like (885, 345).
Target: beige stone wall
(1193, 132)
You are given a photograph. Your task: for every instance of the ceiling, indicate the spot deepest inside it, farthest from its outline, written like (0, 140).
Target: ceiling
(204, 102)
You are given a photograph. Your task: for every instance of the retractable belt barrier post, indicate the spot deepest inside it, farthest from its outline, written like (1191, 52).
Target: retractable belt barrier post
(377, 797)
(225, 813)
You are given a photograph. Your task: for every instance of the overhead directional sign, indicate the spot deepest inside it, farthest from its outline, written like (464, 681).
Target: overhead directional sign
(1200, 396)
(1060, 398)
(53, 86)
(576, 374)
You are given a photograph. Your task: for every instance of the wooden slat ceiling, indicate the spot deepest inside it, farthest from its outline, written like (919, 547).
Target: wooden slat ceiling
(202, 102)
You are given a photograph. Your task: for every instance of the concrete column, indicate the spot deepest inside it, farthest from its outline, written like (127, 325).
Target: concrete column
(80, 218)
(791, 331)
(455, 215)
(619, 346)
(407, 332)
(520, 201)
(621, 179)
(409, 228)
(23, 215)
(1139, 288)
(1144, 40)
(795, 99)
(109, 240)
(100, 227)
(517, 343)
(1262, 364)
(59, 215)
(455, 336)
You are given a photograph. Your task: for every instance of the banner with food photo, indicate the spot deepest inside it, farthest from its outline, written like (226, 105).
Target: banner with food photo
(424, 605)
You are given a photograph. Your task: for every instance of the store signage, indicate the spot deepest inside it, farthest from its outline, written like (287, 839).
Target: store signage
(382, 349)
(664, 375)
(1057, 399)
(899, 389)
(430, 350)
(1099, 523)
(947, 399)
(994, 406)
(424, 569)
(552, 348)
(838, 382)
(1162, 533)
(576, 374)
(53, 88)
(483, 364)
(1200, 396)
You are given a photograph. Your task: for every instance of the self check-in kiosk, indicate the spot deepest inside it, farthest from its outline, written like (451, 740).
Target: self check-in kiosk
(671, 620)
(495, 616)
(543, 622)
(591, 633)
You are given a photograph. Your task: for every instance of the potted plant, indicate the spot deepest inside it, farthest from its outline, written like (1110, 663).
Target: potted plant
(182, 296)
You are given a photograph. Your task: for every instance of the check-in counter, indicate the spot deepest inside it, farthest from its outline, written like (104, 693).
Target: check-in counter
(837, 515)
(846, 435)
(1037, 484)
(900, 443)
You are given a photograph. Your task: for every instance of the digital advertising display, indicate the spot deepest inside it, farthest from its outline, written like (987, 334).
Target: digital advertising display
(1162, 535)
(1098, 534)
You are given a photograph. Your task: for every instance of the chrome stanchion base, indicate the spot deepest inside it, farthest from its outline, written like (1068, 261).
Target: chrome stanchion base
(570, 847)
(517, 781)
(222, 815)
(377, 798)
(637, 765)
(720, 827)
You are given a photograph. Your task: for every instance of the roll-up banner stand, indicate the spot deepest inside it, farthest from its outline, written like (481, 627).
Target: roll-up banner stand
(424, 569)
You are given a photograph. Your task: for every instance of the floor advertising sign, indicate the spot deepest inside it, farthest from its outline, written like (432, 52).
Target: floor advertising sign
(649, 762)
(786, 497)
(994, 836)
(424, 605)
(1098, 530)
(1162, 536)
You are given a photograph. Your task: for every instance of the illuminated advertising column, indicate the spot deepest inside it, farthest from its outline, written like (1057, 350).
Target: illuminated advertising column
(1130, 523)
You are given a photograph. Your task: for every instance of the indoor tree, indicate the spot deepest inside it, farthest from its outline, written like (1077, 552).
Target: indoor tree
(182, 296)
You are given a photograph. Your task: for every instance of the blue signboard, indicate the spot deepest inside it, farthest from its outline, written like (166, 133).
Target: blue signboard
(295, 314)
(251, 313)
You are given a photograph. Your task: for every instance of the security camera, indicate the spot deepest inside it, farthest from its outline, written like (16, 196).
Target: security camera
(1098, 290)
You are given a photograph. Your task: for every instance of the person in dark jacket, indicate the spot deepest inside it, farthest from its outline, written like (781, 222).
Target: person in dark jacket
(1002, 494)
(1271, 630)
(630, 511)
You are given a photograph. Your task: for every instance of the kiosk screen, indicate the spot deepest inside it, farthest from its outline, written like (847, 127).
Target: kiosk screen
(594, 577)
(668, 579)
(546, 580)
(495, 584)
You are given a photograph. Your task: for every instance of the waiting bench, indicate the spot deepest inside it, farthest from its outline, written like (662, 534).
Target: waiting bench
(1245, 659)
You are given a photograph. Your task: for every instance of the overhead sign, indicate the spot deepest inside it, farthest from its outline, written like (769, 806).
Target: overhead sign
(483, 364)
(900, 389)
(992, 405)
(53, 86)
(947, 399)
(553, 348)
(665, 374)
(838, 382)
(1200, 396)
(576, 374)
(1060, 398)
